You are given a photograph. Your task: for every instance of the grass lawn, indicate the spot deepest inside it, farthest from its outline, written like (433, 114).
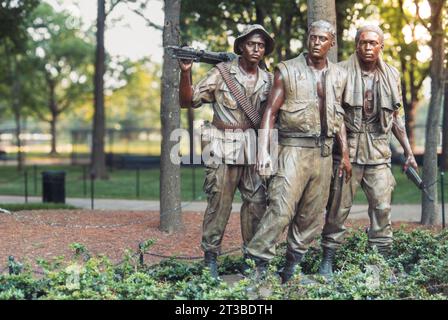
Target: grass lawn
(122, 184)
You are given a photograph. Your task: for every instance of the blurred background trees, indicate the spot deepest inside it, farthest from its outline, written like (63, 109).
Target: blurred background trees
(47, 65)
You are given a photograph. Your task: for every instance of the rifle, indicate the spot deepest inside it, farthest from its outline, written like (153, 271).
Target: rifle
(210, 57)
(196, 55)
(415, 178)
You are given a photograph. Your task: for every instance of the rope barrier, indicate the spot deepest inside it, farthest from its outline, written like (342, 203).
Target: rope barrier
(190, 257)
(137, 255)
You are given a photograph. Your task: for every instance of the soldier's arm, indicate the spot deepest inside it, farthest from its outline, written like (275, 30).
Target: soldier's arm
(275, 101)
(185, 85)
(345, 165)
(399, 131)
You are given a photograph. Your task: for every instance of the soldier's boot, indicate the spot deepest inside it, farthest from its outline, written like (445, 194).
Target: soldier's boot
(211, 263)
(326, 265)
(292, 260)
(385, 251)
(261, 266)
(245, 269)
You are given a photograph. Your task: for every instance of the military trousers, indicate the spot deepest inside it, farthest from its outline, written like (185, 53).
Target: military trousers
(297, 196)
(378, 183)
(221, 182)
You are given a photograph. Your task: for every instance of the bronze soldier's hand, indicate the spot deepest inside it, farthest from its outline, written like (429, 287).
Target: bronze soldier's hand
(345, 166)
(410, 162)
(185, 65)
(264, 164)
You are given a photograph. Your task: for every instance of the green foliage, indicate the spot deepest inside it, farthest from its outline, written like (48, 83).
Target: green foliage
(214, 21)
(174, 270)
(137, 102)
(416, 269)
(61, 57)
(13, 17)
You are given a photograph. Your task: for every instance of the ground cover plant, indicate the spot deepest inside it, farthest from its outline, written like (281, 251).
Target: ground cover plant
(416, 269)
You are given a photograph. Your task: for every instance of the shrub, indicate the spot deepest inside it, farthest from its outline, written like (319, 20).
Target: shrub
(416, 269)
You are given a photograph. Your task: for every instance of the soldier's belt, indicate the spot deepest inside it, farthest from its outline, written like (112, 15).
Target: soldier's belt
(369, 127)
(221, 125)
(307, 142)
(294, 139)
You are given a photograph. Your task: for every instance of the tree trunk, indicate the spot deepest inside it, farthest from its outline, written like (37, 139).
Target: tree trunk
(98, 158)
(429, 208)
(53, 110)
(13, 78)
(16, 105)
(170, 211)
(324, 10)
(17, 117)
(444, 164)
(53, 121)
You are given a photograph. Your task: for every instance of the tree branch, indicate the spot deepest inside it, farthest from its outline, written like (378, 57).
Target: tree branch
(424, 74)
(64, 106)
(400, 3)
(113, 5)
(148, 22)
(38, 113)
(419, 17)
(259, 14)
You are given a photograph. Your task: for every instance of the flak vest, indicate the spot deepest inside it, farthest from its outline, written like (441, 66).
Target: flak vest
(369, 142)
(299, 116)
(383, 99)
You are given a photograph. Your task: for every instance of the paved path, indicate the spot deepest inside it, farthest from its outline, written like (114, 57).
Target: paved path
(400, 212)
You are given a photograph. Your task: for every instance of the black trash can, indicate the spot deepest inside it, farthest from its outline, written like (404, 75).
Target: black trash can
(53, 186)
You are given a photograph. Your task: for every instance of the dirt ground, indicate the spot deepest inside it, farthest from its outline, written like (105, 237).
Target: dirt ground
(28, 235)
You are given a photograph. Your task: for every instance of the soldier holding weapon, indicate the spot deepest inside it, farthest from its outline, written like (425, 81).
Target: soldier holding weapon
(238, 91)
(372, 101)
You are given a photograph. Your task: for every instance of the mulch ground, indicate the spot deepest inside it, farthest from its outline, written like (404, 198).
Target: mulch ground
(28, 235)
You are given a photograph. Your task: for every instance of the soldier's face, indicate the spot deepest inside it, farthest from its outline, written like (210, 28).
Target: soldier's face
(253, 48)
(369, 46)
(319, 43)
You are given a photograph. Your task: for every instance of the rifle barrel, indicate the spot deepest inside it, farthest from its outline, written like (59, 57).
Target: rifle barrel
(195, 55)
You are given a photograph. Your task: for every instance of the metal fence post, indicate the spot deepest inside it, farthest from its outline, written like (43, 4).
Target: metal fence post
(194, 182)
(26, 185)
(35, 179)
(92, 190)
(443, 198)
(137, 182)
(84, 179)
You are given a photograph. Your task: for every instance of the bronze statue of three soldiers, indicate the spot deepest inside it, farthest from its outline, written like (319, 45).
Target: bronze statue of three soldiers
(333, 123)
